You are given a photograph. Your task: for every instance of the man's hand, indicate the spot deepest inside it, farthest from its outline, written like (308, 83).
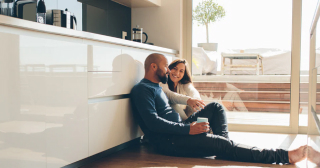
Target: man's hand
(196, 104)
(198, 128)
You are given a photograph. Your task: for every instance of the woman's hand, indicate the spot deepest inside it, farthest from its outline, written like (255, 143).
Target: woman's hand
(196, 104)
(198, 128)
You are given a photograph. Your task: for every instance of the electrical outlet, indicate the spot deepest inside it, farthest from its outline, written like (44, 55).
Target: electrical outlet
(124, 34)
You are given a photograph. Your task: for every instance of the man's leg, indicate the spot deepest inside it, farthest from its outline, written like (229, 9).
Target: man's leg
(216, 116)
(214, 145)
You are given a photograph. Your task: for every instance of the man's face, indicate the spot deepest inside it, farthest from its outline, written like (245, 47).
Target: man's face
(163, 70)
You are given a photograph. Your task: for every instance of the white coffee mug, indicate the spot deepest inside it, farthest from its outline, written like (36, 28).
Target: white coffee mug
(202, 119)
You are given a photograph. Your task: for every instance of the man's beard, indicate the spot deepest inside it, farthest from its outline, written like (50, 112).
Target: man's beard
(163, 78)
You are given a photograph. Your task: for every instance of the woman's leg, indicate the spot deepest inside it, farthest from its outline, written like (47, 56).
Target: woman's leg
(216, 116)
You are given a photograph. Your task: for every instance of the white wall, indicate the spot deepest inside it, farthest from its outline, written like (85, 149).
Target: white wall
(162, 24)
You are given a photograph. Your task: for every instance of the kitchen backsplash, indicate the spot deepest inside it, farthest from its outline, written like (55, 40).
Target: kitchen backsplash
(106, 17)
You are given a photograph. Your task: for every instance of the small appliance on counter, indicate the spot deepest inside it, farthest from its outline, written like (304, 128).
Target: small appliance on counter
(7, 7)
(61, 18)
(20, 5)
(137, 35)
(16, 8)
(41, 12)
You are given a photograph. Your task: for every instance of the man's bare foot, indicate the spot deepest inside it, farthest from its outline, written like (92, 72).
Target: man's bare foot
(298, 154)
(313, 156)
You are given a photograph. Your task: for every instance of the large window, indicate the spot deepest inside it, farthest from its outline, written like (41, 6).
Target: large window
(246, 66)
(308, 10)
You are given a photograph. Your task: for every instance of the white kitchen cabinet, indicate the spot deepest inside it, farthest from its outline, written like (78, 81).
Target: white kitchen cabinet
(132, 69)
(22, 120)
(45, 123)
(104, 58)
(138, 55)
(66, 101)
(110, 124)
(52, 112)
(102, 84)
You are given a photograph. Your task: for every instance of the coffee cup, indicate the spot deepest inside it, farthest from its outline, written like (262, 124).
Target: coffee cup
(202, 119)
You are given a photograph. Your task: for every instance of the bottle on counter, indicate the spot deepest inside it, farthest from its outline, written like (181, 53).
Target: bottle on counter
(41, 12)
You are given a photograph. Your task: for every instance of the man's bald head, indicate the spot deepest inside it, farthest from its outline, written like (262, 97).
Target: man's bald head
(153, 58)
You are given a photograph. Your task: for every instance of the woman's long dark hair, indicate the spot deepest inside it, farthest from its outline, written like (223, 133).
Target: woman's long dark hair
(186, 77)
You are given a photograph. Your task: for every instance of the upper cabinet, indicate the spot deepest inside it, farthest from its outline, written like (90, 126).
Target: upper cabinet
(139, 3)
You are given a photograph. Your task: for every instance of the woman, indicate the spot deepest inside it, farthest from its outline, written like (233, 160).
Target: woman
(180, 81)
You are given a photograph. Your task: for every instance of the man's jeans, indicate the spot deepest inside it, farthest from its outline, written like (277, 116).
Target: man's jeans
(216, 144)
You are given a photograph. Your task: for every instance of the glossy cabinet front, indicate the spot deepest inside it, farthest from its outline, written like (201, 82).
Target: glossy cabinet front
(110, 124)
(22, 135)
(48, 84)
(44, 88)
(125, 69)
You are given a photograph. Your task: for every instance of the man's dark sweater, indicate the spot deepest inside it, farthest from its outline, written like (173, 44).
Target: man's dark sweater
(156, 115)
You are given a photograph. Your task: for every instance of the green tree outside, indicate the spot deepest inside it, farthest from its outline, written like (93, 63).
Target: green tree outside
(206, 12)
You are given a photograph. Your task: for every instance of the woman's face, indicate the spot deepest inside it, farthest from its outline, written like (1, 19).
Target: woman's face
(177, 72)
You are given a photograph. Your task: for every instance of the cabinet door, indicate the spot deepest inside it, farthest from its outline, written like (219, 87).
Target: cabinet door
(110, 124)
(66, 101)
(133, 66)
(102, 84)
(103, 57)
(22, 116)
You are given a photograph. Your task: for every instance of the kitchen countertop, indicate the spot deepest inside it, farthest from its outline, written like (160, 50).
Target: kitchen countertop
(29, 25)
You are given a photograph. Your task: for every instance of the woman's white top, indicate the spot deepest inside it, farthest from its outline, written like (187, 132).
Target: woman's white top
(178, 101)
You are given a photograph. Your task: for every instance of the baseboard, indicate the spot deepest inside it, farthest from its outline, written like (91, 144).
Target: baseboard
(102, 154)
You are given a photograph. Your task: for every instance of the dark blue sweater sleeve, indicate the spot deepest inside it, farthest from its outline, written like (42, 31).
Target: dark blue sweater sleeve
(145, 104)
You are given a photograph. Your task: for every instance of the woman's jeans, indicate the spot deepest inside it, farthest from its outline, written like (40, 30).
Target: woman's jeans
(216, 144)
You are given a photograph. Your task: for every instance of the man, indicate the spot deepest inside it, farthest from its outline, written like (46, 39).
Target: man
(170, 136)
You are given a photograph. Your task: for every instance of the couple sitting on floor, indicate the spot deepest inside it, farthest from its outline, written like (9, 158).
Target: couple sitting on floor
(173, 130)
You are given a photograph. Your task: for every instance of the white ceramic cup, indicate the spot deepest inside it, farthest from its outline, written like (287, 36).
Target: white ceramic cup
(202, 119)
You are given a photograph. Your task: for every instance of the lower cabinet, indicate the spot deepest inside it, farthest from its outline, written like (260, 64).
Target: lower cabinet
(110, 124)
(45, 118)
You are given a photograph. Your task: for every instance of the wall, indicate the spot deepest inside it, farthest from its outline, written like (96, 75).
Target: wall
(106, 17)
(162, 24)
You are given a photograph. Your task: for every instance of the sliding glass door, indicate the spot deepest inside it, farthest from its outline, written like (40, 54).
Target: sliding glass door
(242, 58)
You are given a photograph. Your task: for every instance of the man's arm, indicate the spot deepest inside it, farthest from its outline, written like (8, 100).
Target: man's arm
(145, 104)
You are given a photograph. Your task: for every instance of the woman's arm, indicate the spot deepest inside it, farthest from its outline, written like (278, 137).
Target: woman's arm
(174, 97)
(180, 110)
(191, 91)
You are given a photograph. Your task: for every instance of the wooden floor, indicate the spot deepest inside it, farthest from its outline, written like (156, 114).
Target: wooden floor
(143, 156)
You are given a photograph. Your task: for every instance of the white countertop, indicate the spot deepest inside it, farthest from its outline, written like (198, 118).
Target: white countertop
(29, 25)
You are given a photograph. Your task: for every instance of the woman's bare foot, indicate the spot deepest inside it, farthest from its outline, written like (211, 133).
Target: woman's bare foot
(313, 156)
(298, 154)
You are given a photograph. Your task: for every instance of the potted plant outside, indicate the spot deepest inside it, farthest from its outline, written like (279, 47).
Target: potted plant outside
(206, 12)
